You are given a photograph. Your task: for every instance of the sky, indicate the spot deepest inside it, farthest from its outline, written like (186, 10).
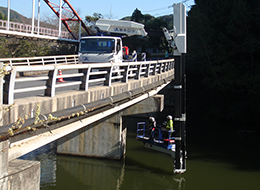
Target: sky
(113, 9)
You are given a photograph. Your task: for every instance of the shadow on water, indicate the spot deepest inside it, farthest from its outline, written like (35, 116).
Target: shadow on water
(215, 143)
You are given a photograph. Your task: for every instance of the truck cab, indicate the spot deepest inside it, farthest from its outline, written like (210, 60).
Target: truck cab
(100, 49)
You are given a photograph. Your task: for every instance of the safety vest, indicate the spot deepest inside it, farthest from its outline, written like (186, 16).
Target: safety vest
(169, 125)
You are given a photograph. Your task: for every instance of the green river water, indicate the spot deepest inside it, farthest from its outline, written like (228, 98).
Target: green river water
(145, 169)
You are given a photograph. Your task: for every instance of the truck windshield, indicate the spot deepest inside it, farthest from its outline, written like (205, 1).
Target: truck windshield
(97, 45)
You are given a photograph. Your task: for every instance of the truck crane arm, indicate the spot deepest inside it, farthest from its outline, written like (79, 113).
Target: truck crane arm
(170, 35)
(128, 28)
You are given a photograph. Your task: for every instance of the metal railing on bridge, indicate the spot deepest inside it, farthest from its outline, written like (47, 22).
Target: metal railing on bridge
(26, 28)
(83, 75)
(44, 60)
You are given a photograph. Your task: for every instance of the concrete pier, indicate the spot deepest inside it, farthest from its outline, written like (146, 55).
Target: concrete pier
(107, 137)
(18, 174)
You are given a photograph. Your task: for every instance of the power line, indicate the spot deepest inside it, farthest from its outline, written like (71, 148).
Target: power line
(156, 9)
(163, 8)
(164, 13)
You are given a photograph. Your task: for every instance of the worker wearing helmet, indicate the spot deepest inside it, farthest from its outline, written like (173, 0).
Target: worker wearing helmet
(169, 125)
(151, 126)
(168, 129)
(152, 123)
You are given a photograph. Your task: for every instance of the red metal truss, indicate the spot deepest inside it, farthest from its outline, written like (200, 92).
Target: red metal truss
(64, 19)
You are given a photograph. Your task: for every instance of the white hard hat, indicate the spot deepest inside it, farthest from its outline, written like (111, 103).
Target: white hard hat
(152, 119)
(169, 117)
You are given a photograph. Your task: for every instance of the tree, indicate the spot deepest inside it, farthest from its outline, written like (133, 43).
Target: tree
(91, 20)
(155, 34)
(137, 16)
(13, 47)
(223, 46)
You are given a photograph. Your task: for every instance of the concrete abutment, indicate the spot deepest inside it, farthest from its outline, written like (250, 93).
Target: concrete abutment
(18, 174)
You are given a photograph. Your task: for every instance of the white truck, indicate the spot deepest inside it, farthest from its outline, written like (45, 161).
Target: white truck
(108, 49)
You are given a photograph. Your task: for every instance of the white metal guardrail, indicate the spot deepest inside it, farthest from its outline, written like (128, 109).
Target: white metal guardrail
(87, 74)
(44, 60)
(26, 28)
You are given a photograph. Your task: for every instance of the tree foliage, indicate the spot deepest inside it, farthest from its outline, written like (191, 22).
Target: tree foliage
(153, 27)
(91, 20)
(3, 16)
(223, 54)
(137, 16)
(12, 47)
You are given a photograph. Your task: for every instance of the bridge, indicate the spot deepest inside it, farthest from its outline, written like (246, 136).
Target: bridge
(55, 98)
(85, 117)
(9, 28)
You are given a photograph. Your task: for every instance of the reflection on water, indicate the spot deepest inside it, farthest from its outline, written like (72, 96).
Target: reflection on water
(142, 169)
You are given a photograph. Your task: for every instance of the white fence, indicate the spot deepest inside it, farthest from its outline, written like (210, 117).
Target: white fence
(44, 60)
(26, 28)
(84, 75)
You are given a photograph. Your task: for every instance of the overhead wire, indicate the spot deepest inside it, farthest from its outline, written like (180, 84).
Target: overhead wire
(156, 9)
(164, 13)
(163, 8)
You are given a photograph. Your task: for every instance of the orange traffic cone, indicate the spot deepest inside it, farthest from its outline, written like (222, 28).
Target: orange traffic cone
(60, 79)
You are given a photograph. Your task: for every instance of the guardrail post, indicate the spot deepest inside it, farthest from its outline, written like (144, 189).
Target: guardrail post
(51, 83)
(138, 72)
(125, 73)
(154, 68)
(9, 87)
(108, 76)
(84, 79)
(160, 67)
(147, 70)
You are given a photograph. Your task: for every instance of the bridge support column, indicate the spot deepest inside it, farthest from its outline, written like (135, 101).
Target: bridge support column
(4, 165)
(18, 174)
(105, 139)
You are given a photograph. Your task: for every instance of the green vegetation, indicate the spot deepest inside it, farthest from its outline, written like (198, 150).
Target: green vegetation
(223, 62)
(153, 26)
(91, 20)
(3, 16)
(13, 47)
